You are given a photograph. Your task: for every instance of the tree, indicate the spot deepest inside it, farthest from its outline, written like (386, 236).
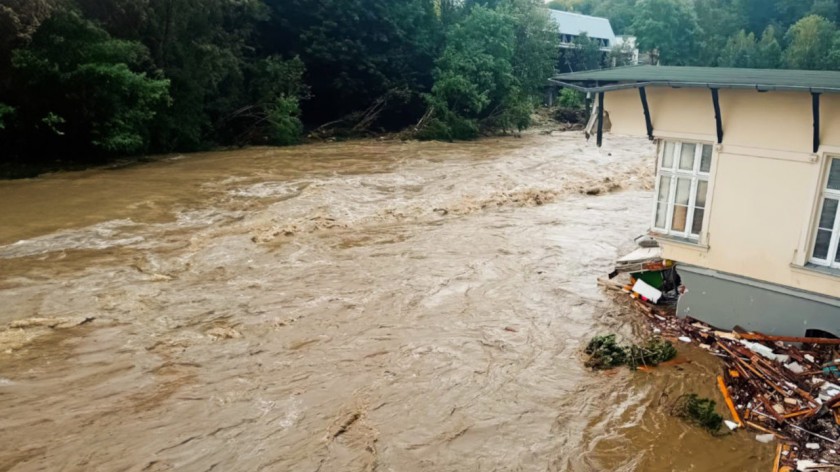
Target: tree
(202, 46)
(585, 54)
(769, 50)
(720, 22)
(83, 90)
(668, 26)
(359, 51)
(621, 13)
(474, 76)
(828, 9)
(810, 42)
(740, 51)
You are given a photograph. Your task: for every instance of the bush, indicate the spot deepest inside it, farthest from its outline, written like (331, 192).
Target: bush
(285, 127)
(651, 353)
(605, 353)
(570, 98)
(697, 410)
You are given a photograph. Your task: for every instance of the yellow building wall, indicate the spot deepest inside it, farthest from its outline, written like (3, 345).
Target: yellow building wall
(764, 183)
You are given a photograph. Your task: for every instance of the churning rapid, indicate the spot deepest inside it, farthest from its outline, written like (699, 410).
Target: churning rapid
(372, 305)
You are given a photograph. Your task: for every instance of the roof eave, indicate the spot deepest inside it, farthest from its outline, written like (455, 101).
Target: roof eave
(677, 84)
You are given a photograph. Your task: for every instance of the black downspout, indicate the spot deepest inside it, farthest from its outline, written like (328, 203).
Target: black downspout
(600, 138)
(718, 123)
(815, 105)
(648, 123)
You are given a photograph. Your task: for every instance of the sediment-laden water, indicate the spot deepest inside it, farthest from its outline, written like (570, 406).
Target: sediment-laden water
(361, 306)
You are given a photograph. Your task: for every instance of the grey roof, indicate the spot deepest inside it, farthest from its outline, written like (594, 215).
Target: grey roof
(575, 24)
(702, 77)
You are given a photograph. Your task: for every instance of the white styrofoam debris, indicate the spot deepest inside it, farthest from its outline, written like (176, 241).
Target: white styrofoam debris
(707, 347)
(795, 367)
(809, 357)
(829, 386)
(731, 425)
(685, 339)
(812, 446)
(803, 465)
(765, 438)
(782, 358)
(760, 349)
(657, 331)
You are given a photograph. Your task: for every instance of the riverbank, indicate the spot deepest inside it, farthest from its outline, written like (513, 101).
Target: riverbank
(544, 121)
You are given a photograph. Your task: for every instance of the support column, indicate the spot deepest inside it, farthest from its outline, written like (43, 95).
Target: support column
(600, 135)
(718, 121)
(648, 122)
(815, 106)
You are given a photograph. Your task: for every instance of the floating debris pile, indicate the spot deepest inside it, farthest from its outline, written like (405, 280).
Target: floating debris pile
(784, 388)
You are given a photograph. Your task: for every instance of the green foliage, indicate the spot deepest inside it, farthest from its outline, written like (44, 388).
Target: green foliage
(698, 410)
(620, 12)
(605, 353)
(495, 60)
(741, 51)
(810, 43)
(585, 54)
(573, 99)
(652, 352)
(5, 112)
(285, 125)
(85, 88)
(669, 27)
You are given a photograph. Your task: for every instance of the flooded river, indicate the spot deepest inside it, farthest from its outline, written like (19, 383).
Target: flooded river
(352, 306)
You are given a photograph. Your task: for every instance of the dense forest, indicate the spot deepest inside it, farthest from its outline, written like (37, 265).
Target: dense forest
(84, 81)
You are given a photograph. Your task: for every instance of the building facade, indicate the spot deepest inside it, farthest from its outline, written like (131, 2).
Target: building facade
(747, 198)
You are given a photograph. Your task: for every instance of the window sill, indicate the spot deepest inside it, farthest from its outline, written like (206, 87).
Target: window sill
(814, 269)
(685, 242)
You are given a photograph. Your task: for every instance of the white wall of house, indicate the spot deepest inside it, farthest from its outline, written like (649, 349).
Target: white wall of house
(765, 185)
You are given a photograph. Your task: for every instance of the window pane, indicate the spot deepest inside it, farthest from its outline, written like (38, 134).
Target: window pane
(697, 224)
(834, 175)
(668, 156)
(664, 187)
(702, 190)
(683, 191)
(679, 218)
(829, 211)
(821, 246)
(706, 158)
(687, 156)
(661, 214)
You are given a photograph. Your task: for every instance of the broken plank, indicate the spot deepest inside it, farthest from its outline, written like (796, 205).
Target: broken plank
(788, 339)
(728, 399)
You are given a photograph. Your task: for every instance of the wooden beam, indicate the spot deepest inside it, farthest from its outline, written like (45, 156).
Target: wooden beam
(815, 105)
(787, 339)
(600, 136)
(718, 121)
(648, 123)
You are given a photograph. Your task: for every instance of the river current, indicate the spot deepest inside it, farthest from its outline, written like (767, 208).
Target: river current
(359, 306)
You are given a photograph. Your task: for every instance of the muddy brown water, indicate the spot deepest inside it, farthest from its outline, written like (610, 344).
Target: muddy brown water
(340, 307)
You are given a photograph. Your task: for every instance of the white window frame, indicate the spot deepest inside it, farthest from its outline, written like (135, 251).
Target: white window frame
(825, 194)
(674, 172)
